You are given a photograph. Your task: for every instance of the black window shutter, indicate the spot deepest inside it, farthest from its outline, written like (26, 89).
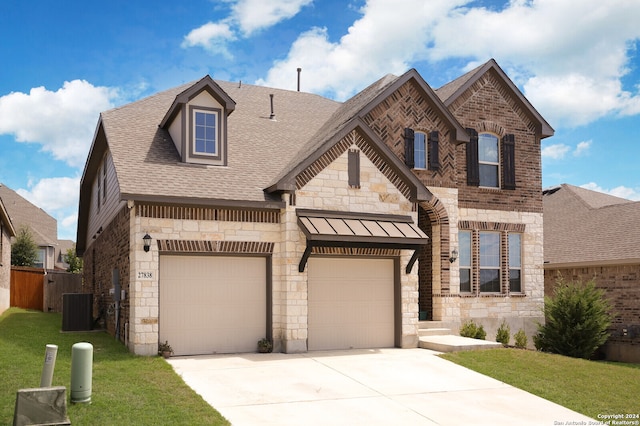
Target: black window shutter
(434, 151)
(473, 167)
(354, 168)
(508, 162)
(408, 148)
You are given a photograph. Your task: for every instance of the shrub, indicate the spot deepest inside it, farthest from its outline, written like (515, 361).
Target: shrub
(576, 320)
(521, 339)
(24, 251)
(504, 333)
(471, 329)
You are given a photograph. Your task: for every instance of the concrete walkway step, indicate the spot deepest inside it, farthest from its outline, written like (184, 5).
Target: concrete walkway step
(450, 343)
(434, 331)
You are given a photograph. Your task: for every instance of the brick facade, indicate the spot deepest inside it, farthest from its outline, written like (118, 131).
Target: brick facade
(109, 258)
(487, 106)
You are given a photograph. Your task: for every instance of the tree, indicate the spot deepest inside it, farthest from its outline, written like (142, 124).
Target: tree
(24, 251)
(75, 262)
(577, 318)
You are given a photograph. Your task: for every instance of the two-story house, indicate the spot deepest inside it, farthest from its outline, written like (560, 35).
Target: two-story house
(217, 213)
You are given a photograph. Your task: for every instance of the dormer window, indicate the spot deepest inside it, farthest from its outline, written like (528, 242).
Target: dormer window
(197, 123)
(205, 131)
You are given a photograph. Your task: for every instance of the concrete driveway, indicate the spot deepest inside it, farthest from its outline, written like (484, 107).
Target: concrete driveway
(370, 387)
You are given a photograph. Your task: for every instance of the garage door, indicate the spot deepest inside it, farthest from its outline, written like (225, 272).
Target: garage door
(351, 303)
(211, 304)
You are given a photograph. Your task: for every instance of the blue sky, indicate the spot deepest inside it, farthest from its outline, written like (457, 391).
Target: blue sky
(63, 63)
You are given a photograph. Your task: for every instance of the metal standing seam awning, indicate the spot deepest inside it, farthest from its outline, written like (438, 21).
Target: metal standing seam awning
(361, 230)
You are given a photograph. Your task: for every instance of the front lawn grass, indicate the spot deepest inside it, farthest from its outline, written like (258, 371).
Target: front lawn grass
(588, 387)
(126, 389)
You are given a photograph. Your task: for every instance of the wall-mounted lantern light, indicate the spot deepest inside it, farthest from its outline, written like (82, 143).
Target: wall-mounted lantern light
(147, 242)
(454, 255)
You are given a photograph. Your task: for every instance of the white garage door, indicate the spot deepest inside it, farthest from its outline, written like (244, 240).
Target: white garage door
(351, 303)
(211, 304)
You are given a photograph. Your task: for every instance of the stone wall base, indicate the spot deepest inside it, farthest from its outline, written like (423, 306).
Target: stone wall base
(294, 346)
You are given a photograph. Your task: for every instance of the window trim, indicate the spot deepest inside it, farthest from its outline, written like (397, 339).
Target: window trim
(193, 109)
(424, 151)
(504, 230)
(471, 262)
(488, 163)
(510, 267)
(492, 268)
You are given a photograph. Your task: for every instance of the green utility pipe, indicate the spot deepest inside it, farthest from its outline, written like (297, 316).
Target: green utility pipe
(81, 372)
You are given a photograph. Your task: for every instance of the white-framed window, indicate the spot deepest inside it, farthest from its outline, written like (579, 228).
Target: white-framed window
(420, 150)
(489, 264)
(205, 132)
(489, 160)
(40, 260)
(515, 263)
(466, 273)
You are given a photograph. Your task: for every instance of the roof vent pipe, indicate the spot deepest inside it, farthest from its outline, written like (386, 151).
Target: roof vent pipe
(273, 115)
(299, 71)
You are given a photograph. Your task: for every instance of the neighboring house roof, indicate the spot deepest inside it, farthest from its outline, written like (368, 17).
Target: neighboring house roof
(584, 227)
(63, 246)
(44, 227)
(454, 89)
(6, 220)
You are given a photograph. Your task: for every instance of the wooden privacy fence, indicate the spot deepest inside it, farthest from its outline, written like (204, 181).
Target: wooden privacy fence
(27, 287)
(35, 288)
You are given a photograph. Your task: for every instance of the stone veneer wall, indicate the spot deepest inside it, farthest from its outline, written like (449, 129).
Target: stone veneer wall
(5, 269)
(518, 310)
(329, 190)
(145, 295)
(109, 251)
(622, 286)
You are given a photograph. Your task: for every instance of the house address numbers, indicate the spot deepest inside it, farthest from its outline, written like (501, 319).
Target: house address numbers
(145, 275)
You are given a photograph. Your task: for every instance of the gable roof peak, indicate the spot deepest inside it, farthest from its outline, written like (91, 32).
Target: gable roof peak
(207, 84)
(454, 89)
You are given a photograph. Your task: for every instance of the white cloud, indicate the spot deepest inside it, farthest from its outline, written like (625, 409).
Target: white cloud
(560, 150)
(59, 198)
(555, 152)
(211, 36)
(569, 56)
(253, 15)
(247, 17)
(62, 122)
(385, 40)
(618, 191)
(582, 148)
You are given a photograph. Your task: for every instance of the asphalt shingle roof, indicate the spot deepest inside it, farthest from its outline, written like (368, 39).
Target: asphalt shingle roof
(583, 226)
(148, 164)
(44, 227)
